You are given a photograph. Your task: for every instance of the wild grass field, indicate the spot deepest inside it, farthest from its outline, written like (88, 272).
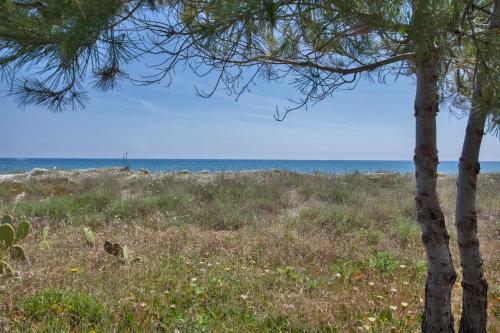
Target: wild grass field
(248, 252)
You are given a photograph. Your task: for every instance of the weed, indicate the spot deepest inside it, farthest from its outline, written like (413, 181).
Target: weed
(384, 262)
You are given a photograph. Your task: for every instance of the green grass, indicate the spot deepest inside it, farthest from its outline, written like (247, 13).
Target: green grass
(64, 311)
(384, 262)
(257, 252)
(407, 231)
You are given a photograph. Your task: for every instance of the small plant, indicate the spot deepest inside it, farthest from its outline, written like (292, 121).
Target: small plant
(8, 239)
(346, 267)
(89, 236)
(126, 162)
(44, 244)
(289, 273)
(384, 262)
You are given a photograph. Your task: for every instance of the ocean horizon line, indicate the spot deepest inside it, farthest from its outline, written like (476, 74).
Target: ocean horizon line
(220, 159)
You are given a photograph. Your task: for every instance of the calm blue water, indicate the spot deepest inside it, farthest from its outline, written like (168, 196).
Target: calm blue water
(11, 165)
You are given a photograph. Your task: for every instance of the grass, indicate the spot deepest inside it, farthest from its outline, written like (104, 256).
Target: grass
(256, 252)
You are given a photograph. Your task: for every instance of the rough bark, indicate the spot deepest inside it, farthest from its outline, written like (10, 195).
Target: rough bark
(474, 285)
(437, 316)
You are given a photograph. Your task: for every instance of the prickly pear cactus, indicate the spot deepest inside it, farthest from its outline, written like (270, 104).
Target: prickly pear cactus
(7, 234)
(7, 219)
(17, 253)
(44, 244)
(89, 236)
(8, 238)
(45, 232)
(125, 252)
(23, 230)
(5, 268)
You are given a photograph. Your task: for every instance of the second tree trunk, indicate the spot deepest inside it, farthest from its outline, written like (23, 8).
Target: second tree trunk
(441, 276)
(474, 285)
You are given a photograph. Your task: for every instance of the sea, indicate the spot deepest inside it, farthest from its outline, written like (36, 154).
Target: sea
(16, 165)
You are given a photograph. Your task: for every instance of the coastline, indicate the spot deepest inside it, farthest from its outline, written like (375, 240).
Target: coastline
(203, 175)
(89, 172)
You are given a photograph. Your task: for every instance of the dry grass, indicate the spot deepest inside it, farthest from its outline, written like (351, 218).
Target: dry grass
(260, 252)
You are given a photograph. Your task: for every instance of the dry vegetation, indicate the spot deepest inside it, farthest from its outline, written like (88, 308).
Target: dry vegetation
(256, 252)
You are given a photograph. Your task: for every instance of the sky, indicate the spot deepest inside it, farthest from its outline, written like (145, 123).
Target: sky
(372, 122)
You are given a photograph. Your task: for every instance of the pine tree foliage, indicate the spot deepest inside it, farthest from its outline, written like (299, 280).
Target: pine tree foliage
(322, 46)
(475, 56)
(319, 46)
(57, 44)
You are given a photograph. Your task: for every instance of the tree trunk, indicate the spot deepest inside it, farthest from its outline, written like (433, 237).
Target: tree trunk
(474, 302)
(441, 274)
(474, 285)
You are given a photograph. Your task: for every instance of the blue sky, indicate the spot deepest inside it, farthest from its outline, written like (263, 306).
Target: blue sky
(372, 122)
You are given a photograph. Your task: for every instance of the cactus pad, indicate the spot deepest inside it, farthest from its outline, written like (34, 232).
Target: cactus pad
(125, 253)
(7, 219)
(7, 234)
(17, 253)
(5, 268)
(45, 232)
(23, 230)
(89, 236)
(44, 245)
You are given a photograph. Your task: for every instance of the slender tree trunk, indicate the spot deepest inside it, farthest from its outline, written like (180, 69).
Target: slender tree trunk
(474, 285)
(474, 303)
(441, 276)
